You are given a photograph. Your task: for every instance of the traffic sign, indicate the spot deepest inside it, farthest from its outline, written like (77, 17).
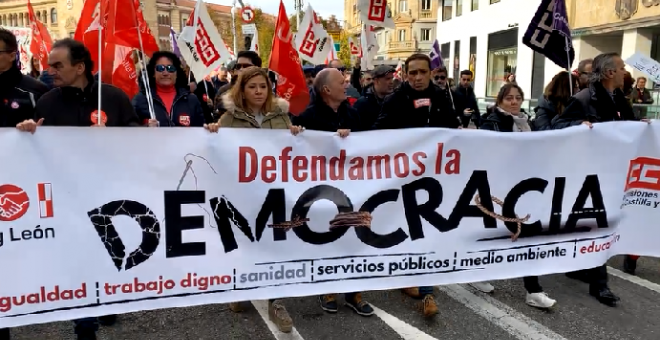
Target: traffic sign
(247, 14)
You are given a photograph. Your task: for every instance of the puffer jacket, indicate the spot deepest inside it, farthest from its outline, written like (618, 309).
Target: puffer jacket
(235, 117)
(498, 120)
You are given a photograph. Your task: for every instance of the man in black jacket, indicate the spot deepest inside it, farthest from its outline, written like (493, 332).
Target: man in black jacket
(465, 100)
(75, 103)
(331, 112)
(370, 104)
(418, 102)
(601, 101)
(18, 95)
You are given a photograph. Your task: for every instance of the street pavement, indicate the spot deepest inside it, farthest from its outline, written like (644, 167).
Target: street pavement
(465, 314)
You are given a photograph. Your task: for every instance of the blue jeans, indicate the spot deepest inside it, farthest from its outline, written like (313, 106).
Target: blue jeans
(86, 325)
(424, 291)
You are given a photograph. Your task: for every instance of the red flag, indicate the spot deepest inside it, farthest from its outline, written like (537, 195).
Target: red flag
(284, 61)
(92, 18)
(124, 19)
(41, 42)
(124, 74)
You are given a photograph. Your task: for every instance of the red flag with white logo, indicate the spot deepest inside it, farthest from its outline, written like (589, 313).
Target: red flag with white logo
(312, 40)
(41, 42)
(375, 13)
(291, 84)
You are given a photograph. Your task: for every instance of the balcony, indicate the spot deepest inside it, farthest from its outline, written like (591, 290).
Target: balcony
(402, 45)
(426, 14)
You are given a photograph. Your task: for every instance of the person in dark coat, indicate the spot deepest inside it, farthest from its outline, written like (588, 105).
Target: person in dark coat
(205, 93)
(554, 100)
(601, 101)
(75, 103)
(174, 105)
(418, 102)
(641, 96)
(331, 112)
(465, 101)
(370, 104)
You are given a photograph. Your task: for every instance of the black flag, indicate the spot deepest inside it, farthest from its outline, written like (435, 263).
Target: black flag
(549, 33)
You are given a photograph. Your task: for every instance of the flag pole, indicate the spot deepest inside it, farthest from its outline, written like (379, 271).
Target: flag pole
(233, 25)
(568, 62)
(143, 63)
(99, 119)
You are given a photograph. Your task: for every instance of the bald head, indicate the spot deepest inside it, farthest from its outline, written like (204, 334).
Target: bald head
(329, 84)
(335, 63)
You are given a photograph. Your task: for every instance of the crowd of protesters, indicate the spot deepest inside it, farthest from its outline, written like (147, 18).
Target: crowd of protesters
(242, 96)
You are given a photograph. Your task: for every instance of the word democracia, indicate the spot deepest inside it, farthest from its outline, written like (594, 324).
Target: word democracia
(285, 168)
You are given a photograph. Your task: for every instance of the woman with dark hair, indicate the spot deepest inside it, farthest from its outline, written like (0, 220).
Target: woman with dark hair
(174, 105)
(554, 100)
(35, 65)
(507, 116)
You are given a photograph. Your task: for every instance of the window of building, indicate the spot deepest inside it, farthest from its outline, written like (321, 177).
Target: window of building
(501, 63)
(494, 1)
(426, 5)
(403, 6)
(45, 16)
(447, 9)
(39, 16)
(53, 16)
(459, 8)
(402, 35)
(21, 20)
(475, 5)
(473, 56)
(72, 34)
(184, 20)
(444, 52)
(425, 34)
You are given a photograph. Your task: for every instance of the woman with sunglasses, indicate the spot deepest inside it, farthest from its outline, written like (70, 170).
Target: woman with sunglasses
(174, 105)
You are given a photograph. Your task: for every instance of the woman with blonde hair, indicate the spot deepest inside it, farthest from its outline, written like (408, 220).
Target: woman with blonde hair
(251, 104)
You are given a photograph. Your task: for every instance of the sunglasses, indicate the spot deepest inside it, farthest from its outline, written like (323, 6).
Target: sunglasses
(341, 69)
(168, 68)
(440, 77)
(242, 66)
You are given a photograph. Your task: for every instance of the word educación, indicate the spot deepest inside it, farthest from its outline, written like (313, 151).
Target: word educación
(227, 216)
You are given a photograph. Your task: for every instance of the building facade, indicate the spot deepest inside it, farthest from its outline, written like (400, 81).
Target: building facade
(61, 16)
(485, 36)
(415, 29)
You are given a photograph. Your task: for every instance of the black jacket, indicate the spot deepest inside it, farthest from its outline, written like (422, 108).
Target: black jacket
(210, 91)
(319, 116)
(497, 121)
(407, 108)
(219, 106)
(368, 107)
(72, 106)
(18, 97)
(545, 110)
(594, 104)
(464, 98)
(186, 109)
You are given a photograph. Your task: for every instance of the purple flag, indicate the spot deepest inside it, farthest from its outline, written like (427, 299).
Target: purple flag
(550, 34)
(436, 57)
(175, 46)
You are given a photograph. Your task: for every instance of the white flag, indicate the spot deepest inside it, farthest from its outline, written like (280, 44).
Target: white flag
(312, 41)
(369, 46)
(202, 46)
(375, 13)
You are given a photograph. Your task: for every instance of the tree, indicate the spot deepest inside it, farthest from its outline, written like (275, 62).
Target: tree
(344, 53)
(265, 26)
(294, 25)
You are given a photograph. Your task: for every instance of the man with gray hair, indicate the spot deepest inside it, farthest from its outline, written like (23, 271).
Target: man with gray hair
(330, 111)
(583, 71)
(601, 101)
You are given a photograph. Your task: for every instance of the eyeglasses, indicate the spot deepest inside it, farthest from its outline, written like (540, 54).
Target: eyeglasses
(440, 77)
(242, 66)
(341, 69)
(168, 68)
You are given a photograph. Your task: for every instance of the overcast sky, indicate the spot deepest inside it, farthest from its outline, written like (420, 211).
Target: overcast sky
(323, 7)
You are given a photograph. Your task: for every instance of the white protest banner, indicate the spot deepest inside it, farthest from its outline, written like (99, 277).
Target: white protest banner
(94, 228)
(645, 65)
(312, 41)
(201, 45)
(375, 13)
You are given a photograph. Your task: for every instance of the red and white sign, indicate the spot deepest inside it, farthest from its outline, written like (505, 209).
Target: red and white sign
(375, 13)
(45, 195)
(247, 15)
(312, 41)
(201, 45)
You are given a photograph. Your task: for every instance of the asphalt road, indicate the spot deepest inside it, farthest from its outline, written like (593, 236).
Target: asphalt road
(464, 315)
